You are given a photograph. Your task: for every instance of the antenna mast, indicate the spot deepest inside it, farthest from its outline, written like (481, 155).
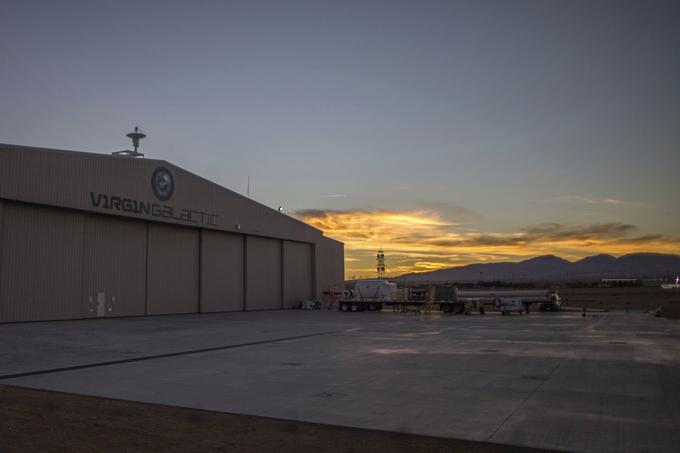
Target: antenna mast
(381, 263)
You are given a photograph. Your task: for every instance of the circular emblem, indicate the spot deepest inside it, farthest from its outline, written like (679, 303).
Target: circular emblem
(162, 184)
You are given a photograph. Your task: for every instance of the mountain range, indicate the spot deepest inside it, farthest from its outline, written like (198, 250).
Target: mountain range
(554, 268)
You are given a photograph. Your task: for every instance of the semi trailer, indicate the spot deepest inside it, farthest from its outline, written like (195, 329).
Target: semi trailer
(374, 294)
(368, 295)
(547, 300)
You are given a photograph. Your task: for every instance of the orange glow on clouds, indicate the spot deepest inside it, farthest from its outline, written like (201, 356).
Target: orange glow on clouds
(421, 240)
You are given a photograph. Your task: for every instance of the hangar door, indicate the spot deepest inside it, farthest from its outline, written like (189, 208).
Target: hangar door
(297, 273)
(114, 267)
(172, 270)
(263, 273)
(221, 271)
(40, 263)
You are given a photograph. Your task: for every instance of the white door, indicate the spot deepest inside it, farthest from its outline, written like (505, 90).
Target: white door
(101, 305)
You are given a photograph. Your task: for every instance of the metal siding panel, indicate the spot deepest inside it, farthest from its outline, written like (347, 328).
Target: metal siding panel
(2, 301)
(298, 273)
(263, 273)
(172, 270)
(330, 265)
(115, 264)
(221, 272)
(65, 179)
(41, 263)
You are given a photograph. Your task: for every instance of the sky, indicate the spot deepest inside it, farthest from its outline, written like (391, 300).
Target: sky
(444, 132)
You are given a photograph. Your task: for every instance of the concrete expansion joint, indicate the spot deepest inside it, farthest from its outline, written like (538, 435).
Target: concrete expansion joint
(160, 356)
(520, 405)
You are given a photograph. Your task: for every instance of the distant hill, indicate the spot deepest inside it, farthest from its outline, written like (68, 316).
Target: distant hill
(553, 268)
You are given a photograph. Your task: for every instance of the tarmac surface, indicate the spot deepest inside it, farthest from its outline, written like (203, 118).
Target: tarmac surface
(604, 383)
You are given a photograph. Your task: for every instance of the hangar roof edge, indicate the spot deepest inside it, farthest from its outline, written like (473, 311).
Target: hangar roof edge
(161, 162)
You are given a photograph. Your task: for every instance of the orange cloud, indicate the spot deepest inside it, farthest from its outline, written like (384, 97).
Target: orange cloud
(423, 240)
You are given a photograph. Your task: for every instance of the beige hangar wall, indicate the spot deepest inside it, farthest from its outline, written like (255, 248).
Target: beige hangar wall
(75, 243)
(41, 263)
(172, 270)
(222, 274)
(114, 267)
(298, 272)
(263, 273)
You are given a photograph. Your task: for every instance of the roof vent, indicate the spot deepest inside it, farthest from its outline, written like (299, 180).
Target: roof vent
(136, 136)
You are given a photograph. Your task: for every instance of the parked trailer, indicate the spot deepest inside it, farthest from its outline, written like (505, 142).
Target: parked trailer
(453, 300)
(376, 293)
(368, 295)
(546, 299)
(446, 297)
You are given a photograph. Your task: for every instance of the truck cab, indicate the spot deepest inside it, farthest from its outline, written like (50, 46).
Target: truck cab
(555, 303)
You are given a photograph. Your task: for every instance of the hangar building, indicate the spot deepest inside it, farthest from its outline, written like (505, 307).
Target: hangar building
(87, 235)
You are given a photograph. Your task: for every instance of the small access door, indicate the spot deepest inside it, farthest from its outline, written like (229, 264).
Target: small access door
(101, 305)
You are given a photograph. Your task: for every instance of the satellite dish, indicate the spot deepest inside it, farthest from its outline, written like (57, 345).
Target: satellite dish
(136, 136)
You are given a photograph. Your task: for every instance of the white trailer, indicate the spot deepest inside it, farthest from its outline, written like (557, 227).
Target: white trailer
(368, 295)
(546, 299)
(375, 293)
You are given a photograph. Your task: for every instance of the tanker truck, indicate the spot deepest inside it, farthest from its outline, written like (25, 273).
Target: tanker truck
(368, 295)
(375, 293)
(546, 300)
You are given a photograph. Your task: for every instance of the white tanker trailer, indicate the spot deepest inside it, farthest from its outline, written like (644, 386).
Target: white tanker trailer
(375, 293)
(520, 299)
(368, 295)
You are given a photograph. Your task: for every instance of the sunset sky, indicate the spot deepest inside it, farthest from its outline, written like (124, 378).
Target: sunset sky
(445, 132)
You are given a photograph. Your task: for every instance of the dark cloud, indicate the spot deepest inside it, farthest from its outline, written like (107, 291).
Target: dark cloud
(483, 240)
(645, 239)
(449, 210)
(304, 213)
(556, 231)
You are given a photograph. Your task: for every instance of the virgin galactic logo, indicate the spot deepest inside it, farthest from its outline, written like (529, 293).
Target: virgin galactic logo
(162, 183)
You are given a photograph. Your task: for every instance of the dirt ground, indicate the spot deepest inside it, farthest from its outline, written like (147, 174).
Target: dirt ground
(631, 298)
(36, 420)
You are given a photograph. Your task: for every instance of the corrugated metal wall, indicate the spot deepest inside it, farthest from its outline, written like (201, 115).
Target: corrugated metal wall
(114, 264)
(66, 179)
(3, 302)
(54, 262)
(222, 263)
(263, 273)
(172, 270)
(330, 267)
(298, 273)
(85, 182)
(41, 263)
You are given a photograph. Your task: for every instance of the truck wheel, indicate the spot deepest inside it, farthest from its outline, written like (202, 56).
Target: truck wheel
(380, 307)
(354, 308)
(447, 308)
(344, 307)
(372, 307)
(458, 309)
